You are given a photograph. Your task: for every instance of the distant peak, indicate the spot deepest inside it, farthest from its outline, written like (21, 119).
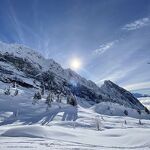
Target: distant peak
(108, 82)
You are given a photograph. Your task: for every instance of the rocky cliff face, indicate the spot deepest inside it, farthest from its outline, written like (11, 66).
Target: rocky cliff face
(120, 95)
(28, 68)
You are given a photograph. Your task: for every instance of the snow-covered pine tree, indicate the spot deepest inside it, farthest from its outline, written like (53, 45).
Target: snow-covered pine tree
(7, 91)
(147, 111)
(49, 99)
(16, 113)
(59, 97)
(36, 97)
(140, 122)
(14, 84)
(98, 123)
(139, 111)
(16, 92)
(125, 122)
(42, 89)
(51, 81)
(71, 99)
(126, 112)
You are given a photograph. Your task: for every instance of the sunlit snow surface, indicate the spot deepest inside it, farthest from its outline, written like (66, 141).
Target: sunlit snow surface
(38, 129)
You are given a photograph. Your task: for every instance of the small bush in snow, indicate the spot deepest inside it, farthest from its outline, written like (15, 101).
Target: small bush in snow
(49, 99)
(125, 122)
(147, 111)
(98, 123)
(139, 112)
(74, 124)
(140, 122)
(16, 113)
(102, 118)
(14, 84)
(126, 112)
(42, 89)
(36, 97)
(7, 91)
(16, 92)
(59, 98)
(71, 99)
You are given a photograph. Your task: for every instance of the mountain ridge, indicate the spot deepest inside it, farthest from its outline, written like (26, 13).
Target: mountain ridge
(25, 66)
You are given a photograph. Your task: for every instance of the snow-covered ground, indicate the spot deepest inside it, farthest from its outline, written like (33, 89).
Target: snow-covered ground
(64, 126)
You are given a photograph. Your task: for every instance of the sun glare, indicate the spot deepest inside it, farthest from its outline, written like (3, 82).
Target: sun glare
(75, 64)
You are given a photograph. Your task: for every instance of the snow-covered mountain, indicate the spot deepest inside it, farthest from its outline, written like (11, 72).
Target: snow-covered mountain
(29, 69)
(120, 95)
(109, 114)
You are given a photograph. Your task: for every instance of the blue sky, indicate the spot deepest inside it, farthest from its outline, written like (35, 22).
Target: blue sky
(110, 37)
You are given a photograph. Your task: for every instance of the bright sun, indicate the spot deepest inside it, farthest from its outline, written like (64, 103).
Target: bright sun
(75, 64)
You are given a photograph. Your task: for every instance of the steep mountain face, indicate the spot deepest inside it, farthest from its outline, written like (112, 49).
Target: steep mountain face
(30, 69)
(120, 95)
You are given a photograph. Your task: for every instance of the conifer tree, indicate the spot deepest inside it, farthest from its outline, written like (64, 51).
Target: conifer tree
(36, 97)
(16, 92)
(126, 112)
(147, 111)
(140, 122)
(49, 99)
(7, 91)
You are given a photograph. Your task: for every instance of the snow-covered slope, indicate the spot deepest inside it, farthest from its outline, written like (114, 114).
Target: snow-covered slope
(28, 126)
(40, 64)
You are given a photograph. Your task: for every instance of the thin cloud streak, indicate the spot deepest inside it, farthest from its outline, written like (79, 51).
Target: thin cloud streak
(117, 74)
(137, 24)
(138, 86)
(104, 47)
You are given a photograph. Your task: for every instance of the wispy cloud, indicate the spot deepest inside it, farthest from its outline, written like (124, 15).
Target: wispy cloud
(117, 73)
(138, 86)
(104, 47)
(137, 24)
